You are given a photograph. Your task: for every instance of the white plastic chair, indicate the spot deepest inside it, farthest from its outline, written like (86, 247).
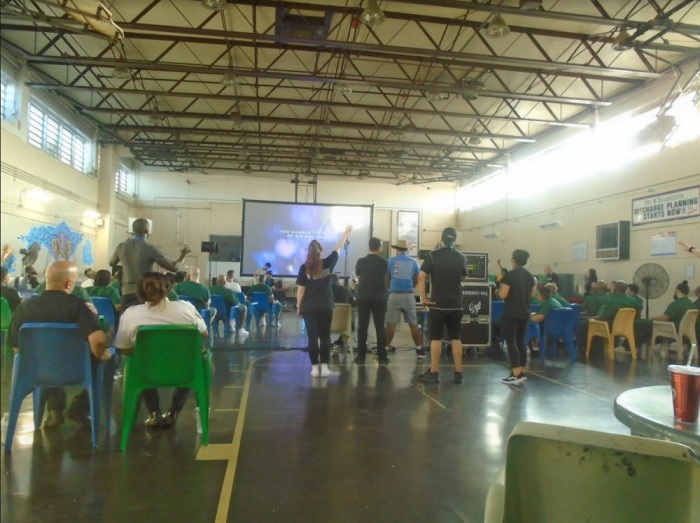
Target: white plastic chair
(342, 321)
(554, 474)
(667, 330)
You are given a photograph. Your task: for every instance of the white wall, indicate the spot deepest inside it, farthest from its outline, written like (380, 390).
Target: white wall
(584, 204)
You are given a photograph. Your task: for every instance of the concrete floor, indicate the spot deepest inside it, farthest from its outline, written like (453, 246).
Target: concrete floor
(367, 444)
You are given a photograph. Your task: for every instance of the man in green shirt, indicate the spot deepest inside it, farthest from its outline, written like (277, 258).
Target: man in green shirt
(674, 312)
(593, 303)
(260, 286)
(614, 302)
(547, 303)
(198, 292)
(635, 298)
(555, 294)
(230, 298)
(77, 291)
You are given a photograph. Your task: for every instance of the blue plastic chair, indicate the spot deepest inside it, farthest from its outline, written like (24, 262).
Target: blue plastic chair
(577, 307)
(234, 315)
(52, 355)
(105, 309)
(185, 297)
(560, 323)
(218, 302)
(533, 331)
(265, 307)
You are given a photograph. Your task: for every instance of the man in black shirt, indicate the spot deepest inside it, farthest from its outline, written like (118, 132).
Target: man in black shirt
(552, 277)
(447, 268)
(373, 274)
(9, 293)
(57, 305)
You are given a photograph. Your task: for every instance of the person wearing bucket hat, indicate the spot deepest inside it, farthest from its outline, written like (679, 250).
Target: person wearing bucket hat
(403, 277)
(447, 268)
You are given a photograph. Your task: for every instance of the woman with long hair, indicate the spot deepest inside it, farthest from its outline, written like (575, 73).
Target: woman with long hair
(591, 278)
(157, 309)
(315, 301)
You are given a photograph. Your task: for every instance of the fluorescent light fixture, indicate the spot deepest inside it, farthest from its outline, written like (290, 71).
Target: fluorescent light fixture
(229, 78)
(474, 140)
(343, 88)
(497, 28)
(38, 195)
(373, 15)
(91, 214)
(214, 5)
(121, 72)
(491, 235)
(548, 226)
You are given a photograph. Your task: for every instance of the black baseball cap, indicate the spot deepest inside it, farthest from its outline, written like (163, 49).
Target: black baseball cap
(449, 235)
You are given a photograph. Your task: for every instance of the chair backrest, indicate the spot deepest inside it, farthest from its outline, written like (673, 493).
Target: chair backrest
(104, 308)
(624, 319)
(262, 299)
(687, 325)
(218, 302)
(187, 298)
(342, 318)
(5, 314)
(241, 297)
(166, 355)
(496, 310)
(53, 354)
(560, 322)
(597, 476)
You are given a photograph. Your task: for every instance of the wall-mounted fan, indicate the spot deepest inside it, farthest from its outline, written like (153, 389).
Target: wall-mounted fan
(30, 256)
(652, 279)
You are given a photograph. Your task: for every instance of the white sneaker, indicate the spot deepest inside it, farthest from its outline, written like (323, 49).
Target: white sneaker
(325, 371)
(315, 371)
(243, 332)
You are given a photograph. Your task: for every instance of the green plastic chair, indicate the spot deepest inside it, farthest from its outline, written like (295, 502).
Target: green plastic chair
(5, 317)
(166, 356)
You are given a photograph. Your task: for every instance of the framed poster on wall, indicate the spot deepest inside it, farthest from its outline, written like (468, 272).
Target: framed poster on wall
(408, 229)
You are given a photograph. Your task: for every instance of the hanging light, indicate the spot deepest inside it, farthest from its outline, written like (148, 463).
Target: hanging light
(497, 28)
(229, 78)
(620, 44)
(436, 96)
(474, 140)
(343, 88)
(472, 89)
(121, 72)
(214, 5)
(247, 169)
(373, 15)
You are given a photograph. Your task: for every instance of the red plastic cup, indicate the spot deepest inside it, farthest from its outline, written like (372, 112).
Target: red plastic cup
(685, 386)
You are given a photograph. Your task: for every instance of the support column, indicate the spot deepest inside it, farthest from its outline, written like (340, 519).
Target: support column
(105, 243)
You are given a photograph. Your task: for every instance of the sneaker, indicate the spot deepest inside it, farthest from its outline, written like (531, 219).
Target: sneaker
(170, 418)
(155, 420)
(391, 349)
(535, 350)
(243, 332)
(458, 377)
(360, 360)
(279, 324)
(514, 380)
(325, 370)
(54, 419)
(429, 377)
(315, 371)
(383, 361)
(420, 354)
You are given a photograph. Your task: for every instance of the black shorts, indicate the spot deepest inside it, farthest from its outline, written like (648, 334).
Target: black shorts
(438, 319)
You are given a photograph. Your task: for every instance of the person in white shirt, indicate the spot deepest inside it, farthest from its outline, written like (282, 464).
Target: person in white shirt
(89, 278)
(231, 282)
(157, 310)
(262, 271)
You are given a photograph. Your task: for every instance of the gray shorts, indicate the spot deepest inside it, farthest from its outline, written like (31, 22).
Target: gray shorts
(398, 303)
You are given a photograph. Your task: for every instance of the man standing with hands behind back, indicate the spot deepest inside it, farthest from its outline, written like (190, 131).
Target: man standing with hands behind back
(137, 257)
(447, 268)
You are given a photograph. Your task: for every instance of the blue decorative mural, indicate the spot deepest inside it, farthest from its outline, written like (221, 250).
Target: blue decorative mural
(88, 259)
(60, 241)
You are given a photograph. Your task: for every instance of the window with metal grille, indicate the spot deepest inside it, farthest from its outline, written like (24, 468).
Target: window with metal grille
(57, 139)
(121, 180)
(5, 98)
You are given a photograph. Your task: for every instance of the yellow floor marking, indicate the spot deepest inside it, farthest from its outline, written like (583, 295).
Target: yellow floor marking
(431, 398)
(234, 386)
(215, 451)
(225, 410)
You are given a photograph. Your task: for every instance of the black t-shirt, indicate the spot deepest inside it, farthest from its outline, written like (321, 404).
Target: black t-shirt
(341, 294)
(446, 268)
(53, 307)
(517, 303)
(373, 271)
(553, 278)
(12, 297)
(318, 295)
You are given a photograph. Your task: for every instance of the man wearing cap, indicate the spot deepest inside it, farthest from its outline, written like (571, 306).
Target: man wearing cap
(403, 277)
(137, 257)
(447, 268)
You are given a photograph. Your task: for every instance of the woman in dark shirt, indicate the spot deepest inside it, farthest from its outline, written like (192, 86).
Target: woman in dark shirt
(315, 302)
(516, 289)
(591, 278)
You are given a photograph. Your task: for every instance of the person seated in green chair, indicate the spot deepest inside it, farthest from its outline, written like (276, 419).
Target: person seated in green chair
(153, 289)
(195, 290)
(674, 312)
(230, 299)
(9, 293)
(103, 289)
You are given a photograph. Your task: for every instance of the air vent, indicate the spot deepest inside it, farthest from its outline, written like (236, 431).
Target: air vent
(301, 25)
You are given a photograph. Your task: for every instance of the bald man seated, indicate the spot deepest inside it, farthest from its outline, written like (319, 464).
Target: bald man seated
(200, 295)
(57, 305)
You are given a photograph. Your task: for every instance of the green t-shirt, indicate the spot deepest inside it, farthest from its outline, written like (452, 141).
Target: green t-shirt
(637, 301)
(613, 303)
(677, 309)
(198, 292)
(77, 291)
(116, 284)
(172, 295)
(562, 301)
(697, 303)
(548, 305)
(105, 292)
(260, 287)
(229, 296)
(593, 303)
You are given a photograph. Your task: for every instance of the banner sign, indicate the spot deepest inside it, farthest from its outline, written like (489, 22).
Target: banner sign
(674, 205)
